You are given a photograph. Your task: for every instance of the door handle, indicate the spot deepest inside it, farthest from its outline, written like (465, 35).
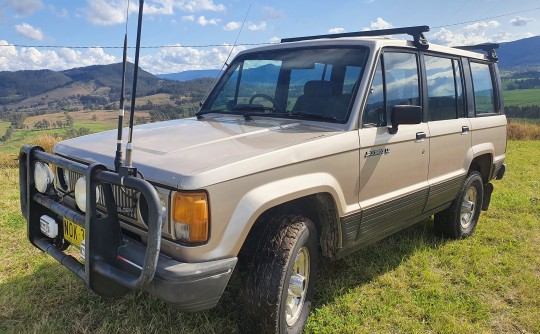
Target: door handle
(420, 135)
(464, 129)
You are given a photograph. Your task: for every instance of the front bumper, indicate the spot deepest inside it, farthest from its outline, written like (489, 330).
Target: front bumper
(114, 264)
(189, 287)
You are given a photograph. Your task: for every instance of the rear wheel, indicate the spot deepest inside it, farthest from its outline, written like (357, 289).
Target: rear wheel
(279, 276)
(461, 218)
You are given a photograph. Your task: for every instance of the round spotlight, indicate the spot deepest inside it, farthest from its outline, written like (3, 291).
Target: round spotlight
(43, 177)
(80, 193)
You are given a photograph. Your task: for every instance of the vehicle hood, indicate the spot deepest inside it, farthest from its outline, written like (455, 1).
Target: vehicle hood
(190, 153)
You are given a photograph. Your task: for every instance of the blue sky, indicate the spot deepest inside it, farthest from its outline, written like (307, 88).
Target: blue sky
(187, 25)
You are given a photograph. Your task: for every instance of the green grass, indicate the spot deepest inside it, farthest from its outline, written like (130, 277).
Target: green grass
(522, 97)
(411, 282)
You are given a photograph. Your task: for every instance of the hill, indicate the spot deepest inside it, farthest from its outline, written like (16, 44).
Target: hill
(190, 75)
(520, 54)
(96, 86)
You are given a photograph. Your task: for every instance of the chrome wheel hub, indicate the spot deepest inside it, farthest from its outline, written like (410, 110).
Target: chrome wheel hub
(297, 288)
(468, 207)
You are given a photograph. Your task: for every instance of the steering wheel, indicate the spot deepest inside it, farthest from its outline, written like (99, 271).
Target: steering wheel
(269, 98)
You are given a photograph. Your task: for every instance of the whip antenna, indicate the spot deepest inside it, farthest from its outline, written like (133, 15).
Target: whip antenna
(118, 157)
(129, 170)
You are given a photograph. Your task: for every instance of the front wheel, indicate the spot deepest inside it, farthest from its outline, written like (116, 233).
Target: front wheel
(279, 276)
(461, 218)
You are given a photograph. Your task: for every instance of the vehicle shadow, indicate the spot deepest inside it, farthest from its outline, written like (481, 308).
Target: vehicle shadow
(338, 277)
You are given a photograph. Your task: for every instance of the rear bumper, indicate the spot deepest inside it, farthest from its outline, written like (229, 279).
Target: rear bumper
(189, 287)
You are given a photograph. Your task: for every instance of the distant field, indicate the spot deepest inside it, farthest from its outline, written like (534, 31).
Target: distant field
(105, 120)
(3, 127)
(522, 97)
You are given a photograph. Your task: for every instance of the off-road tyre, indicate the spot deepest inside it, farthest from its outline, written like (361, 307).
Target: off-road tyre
(266, 271)
(456, 222)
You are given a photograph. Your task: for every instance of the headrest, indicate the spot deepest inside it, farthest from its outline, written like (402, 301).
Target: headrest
(318, 88)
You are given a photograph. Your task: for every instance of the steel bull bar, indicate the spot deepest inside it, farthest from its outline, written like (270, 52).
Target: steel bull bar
(103, 234)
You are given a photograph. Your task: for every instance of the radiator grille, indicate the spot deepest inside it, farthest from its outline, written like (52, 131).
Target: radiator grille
(125, 198)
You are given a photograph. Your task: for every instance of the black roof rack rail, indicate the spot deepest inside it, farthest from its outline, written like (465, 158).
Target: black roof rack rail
(489, 48)
(416, 32)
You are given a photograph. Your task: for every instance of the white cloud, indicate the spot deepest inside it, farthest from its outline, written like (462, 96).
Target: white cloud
(520, 21)
(198, 5)
(336, 30)
(109, 12)
(378, 24)
(14, 59)
(475, 33)
(271, 13)
(274, 39)
(204, 21)
(481, 27)
(232, 25)
(257, 26)
(177, 59)
(188, 18)
(61, 13)
(30, 32)
(21, 7)
(102, 12)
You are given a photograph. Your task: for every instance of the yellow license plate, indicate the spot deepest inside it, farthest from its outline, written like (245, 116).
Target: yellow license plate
(73, 233)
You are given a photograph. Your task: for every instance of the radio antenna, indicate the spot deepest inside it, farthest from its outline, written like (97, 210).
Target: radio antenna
(129, 170)
(118, 157)
(230, 53)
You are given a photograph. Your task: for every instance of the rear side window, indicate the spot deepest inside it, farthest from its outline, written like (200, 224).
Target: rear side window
(484, 99)
(444, 88)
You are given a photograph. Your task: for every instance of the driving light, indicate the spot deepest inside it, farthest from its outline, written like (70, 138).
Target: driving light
(80, 193)
(190, 216)
(43, 177)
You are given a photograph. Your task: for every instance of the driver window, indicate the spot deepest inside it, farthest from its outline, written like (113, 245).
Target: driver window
(395, 83)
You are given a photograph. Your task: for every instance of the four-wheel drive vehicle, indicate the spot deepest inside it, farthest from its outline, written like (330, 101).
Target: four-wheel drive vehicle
(314, 147)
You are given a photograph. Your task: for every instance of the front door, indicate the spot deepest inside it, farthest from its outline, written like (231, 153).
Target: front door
(393, 167)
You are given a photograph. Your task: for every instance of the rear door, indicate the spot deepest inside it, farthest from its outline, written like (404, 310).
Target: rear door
(449, 128)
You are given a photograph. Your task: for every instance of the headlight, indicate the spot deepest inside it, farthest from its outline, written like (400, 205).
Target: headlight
(142, 208)
(190, 216)
(43, 176)
(80, 193)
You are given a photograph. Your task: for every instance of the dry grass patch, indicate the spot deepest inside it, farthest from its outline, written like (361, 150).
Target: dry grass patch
(46, 141)
(523, 131)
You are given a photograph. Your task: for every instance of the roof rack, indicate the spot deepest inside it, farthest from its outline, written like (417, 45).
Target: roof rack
(489, 48)
(416, 32)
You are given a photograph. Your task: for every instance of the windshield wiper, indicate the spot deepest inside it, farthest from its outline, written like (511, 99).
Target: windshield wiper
(311, 115)
(235, 110)
(204, 112)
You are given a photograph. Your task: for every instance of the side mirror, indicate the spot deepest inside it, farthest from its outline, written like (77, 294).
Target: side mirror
(404, 114)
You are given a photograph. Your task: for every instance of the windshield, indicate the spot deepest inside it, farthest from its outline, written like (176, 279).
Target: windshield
(316, 83)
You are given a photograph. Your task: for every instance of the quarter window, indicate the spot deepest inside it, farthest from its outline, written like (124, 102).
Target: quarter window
(484, 100)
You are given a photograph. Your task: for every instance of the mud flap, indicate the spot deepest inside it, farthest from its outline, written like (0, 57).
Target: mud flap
(488, 190)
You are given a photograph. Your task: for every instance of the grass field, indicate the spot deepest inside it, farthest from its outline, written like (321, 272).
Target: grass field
(410, 282)
(522, 97)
